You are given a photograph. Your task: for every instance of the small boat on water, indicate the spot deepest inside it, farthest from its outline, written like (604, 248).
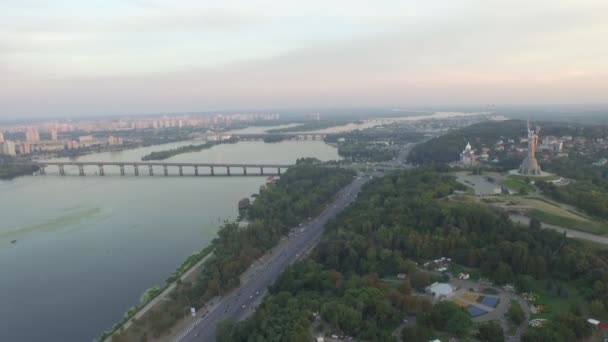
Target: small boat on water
(14, 241)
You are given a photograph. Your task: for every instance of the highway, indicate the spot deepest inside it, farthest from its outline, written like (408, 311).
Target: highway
(241, 303)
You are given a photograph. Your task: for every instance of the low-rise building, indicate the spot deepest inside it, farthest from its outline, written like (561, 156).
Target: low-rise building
(440, 290)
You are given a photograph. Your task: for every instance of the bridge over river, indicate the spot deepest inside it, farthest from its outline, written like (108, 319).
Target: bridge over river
(243, 169)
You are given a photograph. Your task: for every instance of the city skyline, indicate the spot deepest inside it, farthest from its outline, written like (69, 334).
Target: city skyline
(158, 56)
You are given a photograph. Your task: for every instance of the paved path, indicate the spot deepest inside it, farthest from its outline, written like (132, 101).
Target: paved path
(498, 313)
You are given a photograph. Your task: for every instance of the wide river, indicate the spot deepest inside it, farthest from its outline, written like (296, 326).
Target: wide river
(87, 247)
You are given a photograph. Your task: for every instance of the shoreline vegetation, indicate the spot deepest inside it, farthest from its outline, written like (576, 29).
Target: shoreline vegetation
(8, 171)
(301, 192)
(151, 293)
(165, 154)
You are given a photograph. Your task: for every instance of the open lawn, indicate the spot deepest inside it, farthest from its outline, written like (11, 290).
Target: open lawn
(554, 214)
(567, 222)
(554, 304)
(548, 207)
(518, 185)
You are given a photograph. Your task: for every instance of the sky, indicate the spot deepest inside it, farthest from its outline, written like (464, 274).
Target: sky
(71, 57)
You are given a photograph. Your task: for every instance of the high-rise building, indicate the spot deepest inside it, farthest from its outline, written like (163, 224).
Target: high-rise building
(1, 137)
(114, 140)
(54, 134)
(24, 148)
(8, 148)
(32, 136)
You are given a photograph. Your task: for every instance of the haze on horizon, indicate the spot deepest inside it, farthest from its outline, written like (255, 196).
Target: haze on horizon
(118, 57)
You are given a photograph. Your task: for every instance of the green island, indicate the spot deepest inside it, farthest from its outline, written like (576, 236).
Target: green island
(311, 126)
(8, 171)
(162, 155)
(347, 286)
(301, 192)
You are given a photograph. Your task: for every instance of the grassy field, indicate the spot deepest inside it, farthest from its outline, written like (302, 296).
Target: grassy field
(550, 213)
(518, 185)
(548, 207)
(567, 222)
(554, 304)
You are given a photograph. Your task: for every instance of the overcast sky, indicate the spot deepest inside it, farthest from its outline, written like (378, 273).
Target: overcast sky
(65, 57)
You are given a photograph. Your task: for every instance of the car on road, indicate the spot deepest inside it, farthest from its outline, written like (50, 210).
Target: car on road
(244, 306)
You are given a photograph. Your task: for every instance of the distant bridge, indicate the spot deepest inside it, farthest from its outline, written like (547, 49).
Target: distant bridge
(285, 136)
(260, 169)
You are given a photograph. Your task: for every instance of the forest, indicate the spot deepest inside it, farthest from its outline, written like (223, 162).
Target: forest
(403, 219)
(588, 189)
(366, 152)
(300, 192)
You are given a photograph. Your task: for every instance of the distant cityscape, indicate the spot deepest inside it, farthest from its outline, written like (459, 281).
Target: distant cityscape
(26, 138)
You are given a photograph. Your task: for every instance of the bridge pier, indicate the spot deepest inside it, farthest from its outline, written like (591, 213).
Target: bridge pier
(81, 170)
(42, 170)
(279, 170)
(61, 170)
(101, 173)
(181, 171)
(165, 170)
(136, 168)
(122, 170)
(212, 172)
(150, 170)
(196, 170)
(228, 170)
(261, 170)
(244, 170)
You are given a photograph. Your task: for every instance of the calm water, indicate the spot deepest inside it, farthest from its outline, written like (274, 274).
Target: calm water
(384, 121)
(87, 247)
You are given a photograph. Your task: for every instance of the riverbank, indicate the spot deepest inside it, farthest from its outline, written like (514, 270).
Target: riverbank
(236, 248)
(183, 273)
(8, 171)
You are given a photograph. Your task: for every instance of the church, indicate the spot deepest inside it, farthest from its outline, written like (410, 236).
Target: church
(467, 157)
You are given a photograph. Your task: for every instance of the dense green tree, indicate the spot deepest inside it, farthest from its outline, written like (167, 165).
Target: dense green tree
(490, 332)
(417, 333)
(224, 330)
(515, 313)
(404, 216)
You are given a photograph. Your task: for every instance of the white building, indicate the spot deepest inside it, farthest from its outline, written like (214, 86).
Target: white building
(440, 290)
(112, 140)
(8, 148)
(467, 157)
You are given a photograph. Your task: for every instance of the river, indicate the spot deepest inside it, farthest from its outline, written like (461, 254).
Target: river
(87, 247)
